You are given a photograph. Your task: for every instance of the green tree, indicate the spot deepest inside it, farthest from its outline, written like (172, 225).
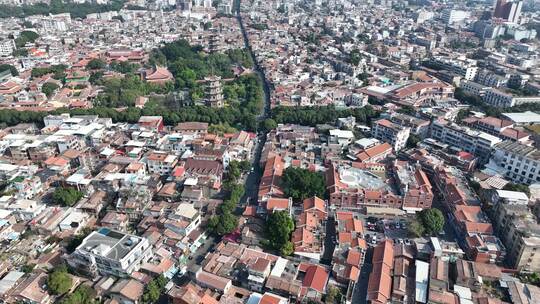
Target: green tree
(413, 141)
(301, 184)
(20, 53)
(333, 295)
(58, 6)
(462, 114)
(269, 124)
(312, 116)
(518, 187)
(12, 69)
(25, 37)
(415, 228)
(224, 223)
(49, 88)
(279, 227)
(96, 64)
(28, 268)
(66, 196)
(287, 249)
(82, 295)
(154, 289)
(151, 294)
(221, 129)
(59, 281)
(363, 76)
(124, 67)
(355, 57)
(408, 110)
(95, 77)
(78, 239)
(432, 220)
(244, 165)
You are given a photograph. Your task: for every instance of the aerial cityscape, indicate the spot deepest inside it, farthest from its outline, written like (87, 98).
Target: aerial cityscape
(270, 151)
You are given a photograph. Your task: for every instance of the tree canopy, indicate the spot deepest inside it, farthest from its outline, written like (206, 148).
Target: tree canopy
(79, 10)
(154, 289)
(413, 140)
(311, 116)
(12, 69)
(58, 71)
(66, 196)
(333, 295)
(432, 220)
(415, 228)
(279, 227)
(82, 295)
(96, 64)
(518, 187)
(25, 37)
(48, 88)
(301, 184)
(226, 221)
(269, 124)
(59, 281)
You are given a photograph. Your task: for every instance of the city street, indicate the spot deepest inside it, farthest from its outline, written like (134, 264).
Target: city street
(329, 241)
(360, 289)
(253, 179)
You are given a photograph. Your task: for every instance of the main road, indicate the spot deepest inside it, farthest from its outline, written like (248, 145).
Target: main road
(253, 179)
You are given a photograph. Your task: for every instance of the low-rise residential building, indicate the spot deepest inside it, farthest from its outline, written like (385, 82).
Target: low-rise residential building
(391, 133)
(379, 289)
(418, 126)
(108, 252)
(518, 162)
(363, 186)
(476, 142)
(519, 231)
(497, 127)
(161, 163)
(501, 99)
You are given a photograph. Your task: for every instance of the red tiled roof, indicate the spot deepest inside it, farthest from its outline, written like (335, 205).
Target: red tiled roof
(315, 278)
(314, 202)
(277, 203)
(373, 152)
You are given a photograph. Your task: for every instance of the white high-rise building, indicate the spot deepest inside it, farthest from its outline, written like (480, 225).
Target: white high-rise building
(7, 46)
(452, 16)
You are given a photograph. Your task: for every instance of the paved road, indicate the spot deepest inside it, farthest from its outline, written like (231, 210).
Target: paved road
(253, 179)
(360, 289)
(329, 244)
(449, 232)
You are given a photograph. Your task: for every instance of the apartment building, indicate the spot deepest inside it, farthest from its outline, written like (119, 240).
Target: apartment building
(501, 99)
(475, 142)
(160, 162)
(466, 68)
(7, 46)
(418, 126)
(519, 231)
(498, 127)
(451, 16)
(473, 88)
(488, 78)
(109, 252)
(519, 162)
(391, 133)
